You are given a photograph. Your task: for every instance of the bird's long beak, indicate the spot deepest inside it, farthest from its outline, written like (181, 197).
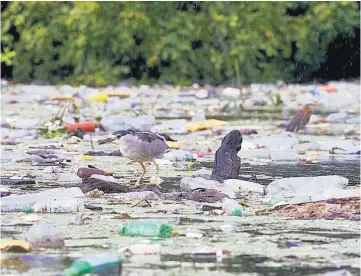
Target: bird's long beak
(107, 141)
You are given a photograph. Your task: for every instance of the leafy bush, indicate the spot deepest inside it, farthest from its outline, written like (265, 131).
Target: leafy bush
(99, 43)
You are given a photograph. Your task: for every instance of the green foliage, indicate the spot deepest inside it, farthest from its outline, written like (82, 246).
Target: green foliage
(99, 43)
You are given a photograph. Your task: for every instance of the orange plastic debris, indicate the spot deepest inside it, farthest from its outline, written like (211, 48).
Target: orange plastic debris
(84, 126)
(15, 246)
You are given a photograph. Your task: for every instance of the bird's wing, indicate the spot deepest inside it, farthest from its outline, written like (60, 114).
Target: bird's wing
(148, 136)
(150, 144)
(295, 122)
(305, 118)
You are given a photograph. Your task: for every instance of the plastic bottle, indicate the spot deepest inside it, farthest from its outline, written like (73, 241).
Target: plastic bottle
(105, 263)
(15, 203)
(147, 229)
(68, 205)
(232, 208)
(47, 235)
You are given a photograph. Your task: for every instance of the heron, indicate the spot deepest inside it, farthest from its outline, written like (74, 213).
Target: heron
(139, 146)
(301, 119)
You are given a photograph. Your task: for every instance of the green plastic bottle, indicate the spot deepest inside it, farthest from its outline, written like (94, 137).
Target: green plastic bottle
(109, 263)
(147, 229)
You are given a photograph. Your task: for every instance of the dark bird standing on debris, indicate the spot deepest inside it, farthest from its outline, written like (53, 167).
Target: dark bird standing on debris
(301, 119)
(140, 147)
(227, 163)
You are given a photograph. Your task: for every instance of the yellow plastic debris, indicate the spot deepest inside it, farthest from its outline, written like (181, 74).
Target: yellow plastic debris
(15, 246)
(202, 125)
(62, 98)
(120, 94)
(86, 158)
(243, 203)
(172, 145)
(99, 97)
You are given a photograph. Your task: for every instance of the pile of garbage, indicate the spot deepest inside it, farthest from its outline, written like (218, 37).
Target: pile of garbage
(52, 165)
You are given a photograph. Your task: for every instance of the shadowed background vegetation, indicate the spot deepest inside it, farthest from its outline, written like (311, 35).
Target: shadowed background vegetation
(101, 43)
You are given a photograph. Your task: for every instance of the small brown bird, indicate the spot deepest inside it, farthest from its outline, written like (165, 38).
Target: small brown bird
(301, 119)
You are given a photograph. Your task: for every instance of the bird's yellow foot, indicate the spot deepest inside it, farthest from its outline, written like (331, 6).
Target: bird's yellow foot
(155, 181)
(137, 184)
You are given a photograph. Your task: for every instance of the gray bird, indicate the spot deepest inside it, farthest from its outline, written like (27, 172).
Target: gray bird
(140, 147)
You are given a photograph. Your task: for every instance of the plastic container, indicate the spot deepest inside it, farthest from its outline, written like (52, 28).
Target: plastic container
(84, 126)
(232, 208)
(105, 263)
(147, 229)
(47, 235)
(15, 203)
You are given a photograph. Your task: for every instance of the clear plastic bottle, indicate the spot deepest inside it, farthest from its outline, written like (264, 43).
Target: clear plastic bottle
(232, 208)
(15, 203)
(67, 205)
(47, 235)
(105, 263)
(147, 229)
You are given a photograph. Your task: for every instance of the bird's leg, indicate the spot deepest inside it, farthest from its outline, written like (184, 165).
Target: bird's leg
(157, 167)
(141, 176)
(155, 181)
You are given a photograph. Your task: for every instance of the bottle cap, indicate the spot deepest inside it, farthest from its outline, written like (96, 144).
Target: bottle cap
(122, 229)
(237, 212)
